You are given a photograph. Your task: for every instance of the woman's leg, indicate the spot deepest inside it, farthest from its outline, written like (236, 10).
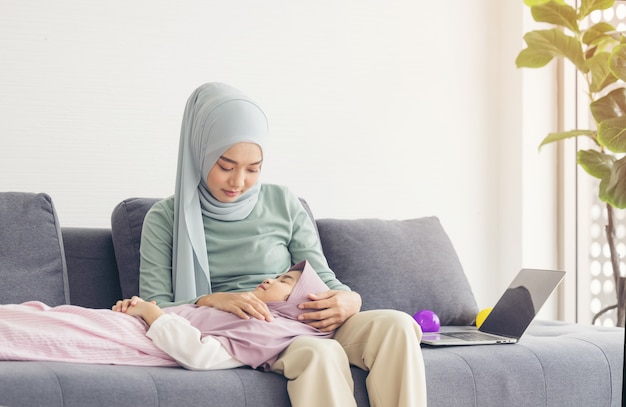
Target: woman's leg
(387, 344)
(318, 372)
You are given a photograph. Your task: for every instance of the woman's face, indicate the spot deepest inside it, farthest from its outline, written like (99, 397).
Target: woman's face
(236, 171)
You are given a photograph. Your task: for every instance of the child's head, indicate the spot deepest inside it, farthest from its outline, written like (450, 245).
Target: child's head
(279, 288)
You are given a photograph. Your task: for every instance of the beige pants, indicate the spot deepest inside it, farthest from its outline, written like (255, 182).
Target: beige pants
(383, 342)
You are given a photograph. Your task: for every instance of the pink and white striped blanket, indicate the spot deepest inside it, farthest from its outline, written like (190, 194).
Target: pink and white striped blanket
(35, 331)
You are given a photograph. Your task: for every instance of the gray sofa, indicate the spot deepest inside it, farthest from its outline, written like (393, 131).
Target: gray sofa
(407, 265)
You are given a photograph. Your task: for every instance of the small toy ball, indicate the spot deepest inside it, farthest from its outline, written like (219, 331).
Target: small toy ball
(427, 320)
(482, 315)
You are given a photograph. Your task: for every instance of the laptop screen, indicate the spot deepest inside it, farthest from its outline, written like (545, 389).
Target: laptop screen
(519, 304)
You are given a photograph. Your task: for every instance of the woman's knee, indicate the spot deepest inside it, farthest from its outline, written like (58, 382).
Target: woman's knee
(400, 321)
(324, 349)
(309, 352)
(384, 322)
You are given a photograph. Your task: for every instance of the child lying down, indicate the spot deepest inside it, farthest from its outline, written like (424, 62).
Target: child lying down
(192, 336)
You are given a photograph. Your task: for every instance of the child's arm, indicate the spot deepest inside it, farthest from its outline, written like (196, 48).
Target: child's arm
(175, 336)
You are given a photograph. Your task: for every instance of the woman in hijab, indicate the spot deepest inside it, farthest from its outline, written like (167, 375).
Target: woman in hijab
(224, 232)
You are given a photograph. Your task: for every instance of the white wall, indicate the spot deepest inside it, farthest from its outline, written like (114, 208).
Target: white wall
(389, 109)
(527, 228)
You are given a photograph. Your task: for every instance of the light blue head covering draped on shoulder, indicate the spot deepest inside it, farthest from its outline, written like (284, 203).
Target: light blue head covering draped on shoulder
(216, 117)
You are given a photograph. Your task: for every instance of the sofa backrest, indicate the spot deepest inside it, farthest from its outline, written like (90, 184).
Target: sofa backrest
(91, 267)
(126, 223)
(408, 265)
(32, 260)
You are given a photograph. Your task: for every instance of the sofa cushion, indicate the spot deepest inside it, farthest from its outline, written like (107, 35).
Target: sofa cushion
(126, 223)
(408, 265)
(93, 278)
(32, 260)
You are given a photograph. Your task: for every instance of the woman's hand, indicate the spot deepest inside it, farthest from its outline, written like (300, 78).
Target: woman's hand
(333, 308)
(244, 305)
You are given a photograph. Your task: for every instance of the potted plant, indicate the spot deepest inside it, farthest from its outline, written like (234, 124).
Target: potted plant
(599, 55)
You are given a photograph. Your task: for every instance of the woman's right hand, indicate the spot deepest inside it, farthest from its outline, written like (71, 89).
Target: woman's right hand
(244, 305)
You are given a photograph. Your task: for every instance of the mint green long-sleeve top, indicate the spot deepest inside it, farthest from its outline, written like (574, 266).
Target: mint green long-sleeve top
(277, 234)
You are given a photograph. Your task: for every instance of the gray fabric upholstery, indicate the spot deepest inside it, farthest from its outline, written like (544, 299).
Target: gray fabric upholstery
(32, 261)
(59, 384)
(554, 364)
(126, 222)
(408, 265)
(94, 281)
(54, 384)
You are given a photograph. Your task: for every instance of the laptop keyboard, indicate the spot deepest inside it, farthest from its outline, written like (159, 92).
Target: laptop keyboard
(471, 336)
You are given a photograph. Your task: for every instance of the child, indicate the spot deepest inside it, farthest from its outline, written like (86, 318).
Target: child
(195, 337)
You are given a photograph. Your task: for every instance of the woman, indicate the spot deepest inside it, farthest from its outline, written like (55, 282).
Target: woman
(223, 232)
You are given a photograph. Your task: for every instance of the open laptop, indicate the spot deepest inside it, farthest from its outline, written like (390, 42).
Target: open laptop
(511, 315)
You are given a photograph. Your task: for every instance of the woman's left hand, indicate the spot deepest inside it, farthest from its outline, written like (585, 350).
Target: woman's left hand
(331, 309)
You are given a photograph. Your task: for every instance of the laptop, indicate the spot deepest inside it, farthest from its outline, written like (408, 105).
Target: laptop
(511, 315)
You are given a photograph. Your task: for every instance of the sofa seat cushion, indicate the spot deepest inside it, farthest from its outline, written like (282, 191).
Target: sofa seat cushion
(75, 384)
(408, 265)
(32, 259)
(554, 364)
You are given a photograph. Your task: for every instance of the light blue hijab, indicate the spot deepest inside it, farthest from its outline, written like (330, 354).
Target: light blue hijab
(216, 117)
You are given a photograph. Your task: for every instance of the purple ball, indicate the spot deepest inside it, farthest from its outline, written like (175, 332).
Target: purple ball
(427, 320)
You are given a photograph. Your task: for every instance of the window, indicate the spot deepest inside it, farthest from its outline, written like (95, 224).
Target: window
(596, 286)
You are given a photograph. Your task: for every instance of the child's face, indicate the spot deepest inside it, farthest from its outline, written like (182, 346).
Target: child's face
(277, 289)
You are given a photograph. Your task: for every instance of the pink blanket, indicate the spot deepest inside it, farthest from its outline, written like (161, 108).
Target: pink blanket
(34, 331)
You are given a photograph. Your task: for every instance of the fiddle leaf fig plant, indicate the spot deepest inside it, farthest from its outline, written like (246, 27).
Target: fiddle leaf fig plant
(598, 52)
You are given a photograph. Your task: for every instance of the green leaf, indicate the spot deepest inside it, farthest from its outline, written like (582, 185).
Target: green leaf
(612, 134)
(596, 163)
(617, 61)
(601, 75)
(601, 35)
(543, 45)
(556, 13)
(587, 6)
(610, 106)
(531, 58)
(553, 137)
(613, 188)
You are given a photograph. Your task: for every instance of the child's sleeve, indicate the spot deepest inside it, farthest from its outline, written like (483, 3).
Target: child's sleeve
(175, 336)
